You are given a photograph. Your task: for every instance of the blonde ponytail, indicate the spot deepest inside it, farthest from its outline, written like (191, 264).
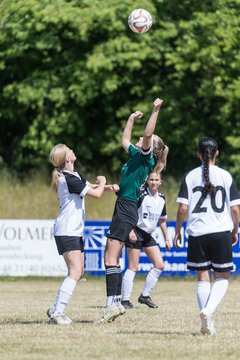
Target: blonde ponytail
(55, 179)
(58, 159)
(160, 151)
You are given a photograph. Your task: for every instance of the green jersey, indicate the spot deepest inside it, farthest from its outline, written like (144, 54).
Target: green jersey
(135, 172)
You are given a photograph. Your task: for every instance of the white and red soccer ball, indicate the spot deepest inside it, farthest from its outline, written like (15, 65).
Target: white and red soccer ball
(140, 21)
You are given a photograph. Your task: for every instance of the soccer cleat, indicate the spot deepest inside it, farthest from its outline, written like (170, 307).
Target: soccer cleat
(51, 311)
(147, 301)
(59, 319)
(207, 322)
(121, 308)
(108, 314)
(127, 304)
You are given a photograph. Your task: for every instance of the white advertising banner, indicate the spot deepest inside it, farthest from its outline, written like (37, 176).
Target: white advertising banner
(27, 247)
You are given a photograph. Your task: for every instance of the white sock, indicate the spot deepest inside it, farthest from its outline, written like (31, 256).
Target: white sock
(127, 284)
(151, 281)
(217, 293)
(64, 294)
(111, 300)
(203, 292)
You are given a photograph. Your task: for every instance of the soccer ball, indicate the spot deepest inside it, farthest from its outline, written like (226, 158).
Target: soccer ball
(140, 21)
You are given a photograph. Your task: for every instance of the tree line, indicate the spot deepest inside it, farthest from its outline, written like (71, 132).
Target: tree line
(72, 71)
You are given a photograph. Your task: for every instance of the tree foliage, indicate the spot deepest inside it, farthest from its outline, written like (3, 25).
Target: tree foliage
(72, 71)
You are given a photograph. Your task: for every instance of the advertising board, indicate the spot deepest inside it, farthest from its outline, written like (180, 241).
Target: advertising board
(27, 248)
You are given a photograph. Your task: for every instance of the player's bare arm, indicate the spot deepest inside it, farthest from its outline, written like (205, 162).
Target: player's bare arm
(181, 214)
(97, 191)
(163, 226)
(150, 127)
(111, 187)
(235, 218)
(132, 236)
(127, 132)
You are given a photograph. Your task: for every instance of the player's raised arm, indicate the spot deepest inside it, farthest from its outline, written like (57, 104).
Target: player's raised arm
(127, 132)
(151, 124)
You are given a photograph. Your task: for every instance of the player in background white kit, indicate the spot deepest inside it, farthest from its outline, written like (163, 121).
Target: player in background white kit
(151, 212)
(210, 196)
(71, 188)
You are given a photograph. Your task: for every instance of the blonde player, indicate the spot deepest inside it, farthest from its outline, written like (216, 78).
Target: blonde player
(71, 188)
(151, 212)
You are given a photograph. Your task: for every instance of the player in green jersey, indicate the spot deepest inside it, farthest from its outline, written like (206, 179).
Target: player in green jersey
(149, 153)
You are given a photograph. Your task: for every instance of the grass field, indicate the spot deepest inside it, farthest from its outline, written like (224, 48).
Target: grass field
(169, 332)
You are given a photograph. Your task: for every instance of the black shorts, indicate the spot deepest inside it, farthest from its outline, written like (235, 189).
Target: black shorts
(68, 243)
(125, 218)
(211, 251)
(143, 240)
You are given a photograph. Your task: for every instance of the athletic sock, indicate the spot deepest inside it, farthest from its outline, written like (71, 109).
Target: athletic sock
(151, 281)
(127, 284)
(203, 292)
(64, 294)
(112, 277)
(217, 293)
(119, 288)
(55, 300)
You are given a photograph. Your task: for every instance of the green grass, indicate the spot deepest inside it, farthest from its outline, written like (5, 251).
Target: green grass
(170, 332)
(34, 199)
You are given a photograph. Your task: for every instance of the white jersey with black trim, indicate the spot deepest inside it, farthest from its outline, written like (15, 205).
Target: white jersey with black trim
(151, 209)
(208, 214)
(71, 191)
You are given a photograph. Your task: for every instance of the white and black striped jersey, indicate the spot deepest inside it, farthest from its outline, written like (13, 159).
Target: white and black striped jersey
(71, 191)
(208, 214)
(151, 209)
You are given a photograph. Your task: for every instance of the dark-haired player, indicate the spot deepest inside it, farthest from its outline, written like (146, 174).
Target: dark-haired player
(210, 196)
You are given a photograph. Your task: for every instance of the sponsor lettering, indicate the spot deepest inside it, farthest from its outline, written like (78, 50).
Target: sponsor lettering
(11, 233)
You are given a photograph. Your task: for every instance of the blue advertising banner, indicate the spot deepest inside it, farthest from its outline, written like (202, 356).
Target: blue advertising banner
(174, 259)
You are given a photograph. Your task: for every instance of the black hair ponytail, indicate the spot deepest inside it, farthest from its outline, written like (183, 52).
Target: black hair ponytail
(207, 147)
